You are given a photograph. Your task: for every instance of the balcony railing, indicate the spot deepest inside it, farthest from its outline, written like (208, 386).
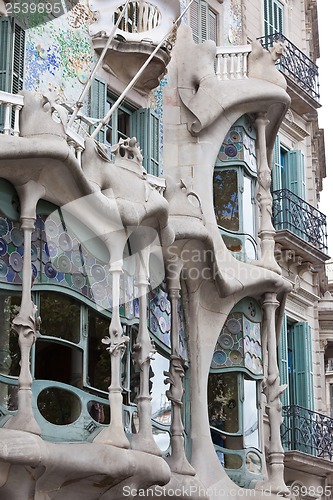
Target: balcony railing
(295, 65)
(232, 62)
(10, 106)
(302, 219)
(307, 431)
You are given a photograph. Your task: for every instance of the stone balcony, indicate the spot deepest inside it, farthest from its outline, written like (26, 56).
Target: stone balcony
(143, 26)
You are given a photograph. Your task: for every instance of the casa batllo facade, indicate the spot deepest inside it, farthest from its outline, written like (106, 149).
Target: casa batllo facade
(165, 312)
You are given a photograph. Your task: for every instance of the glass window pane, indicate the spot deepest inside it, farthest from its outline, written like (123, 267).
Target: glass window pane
(10, 354)
(60, 316)
(58, 406)
(223, 405)
(251, 417)
(161, 406)
(8, 397)
(61, 363)
(226, 203)
(98, 355)
(124, 122)
(248, 216)
(99, 412)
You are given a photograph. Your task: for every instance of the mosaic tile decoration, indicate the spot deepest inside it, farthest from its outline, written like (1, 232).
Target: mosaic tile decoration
(58, 258)
(239, 345)
(160, 321)
(239, 145)
(59, 55)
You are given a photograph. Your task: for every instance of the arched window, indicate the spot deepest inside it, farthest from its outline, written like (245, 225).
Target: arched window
(234, 189)
(234, 394)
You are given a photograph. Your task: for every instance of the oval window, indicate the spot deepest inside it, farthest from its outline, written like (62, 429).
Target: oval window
(99, 412)
(59, 406)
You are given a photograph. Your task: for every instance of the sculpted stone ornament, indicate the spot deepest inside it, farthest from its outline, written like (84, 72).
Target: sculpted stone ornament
(3, 9)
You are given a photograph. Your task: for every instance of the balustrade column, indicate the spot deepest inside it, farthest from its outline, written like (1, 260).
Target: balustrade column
(143, 352)
(264, 197)
(175, 376)
(16, 130)
(273, 391)
(26, 323)
(6, 126)
(114, 434)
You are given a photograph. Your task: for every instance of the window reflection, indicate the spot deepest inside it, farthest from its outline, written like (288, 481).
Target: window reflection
(61, 363)
(226, 204)
(8, 396)
(60, 316)
(223, 401)
(58, 406)
(99, 412)
(9, 349)
(98, 355)
(161, 406)
(251, 431)
(162, 439)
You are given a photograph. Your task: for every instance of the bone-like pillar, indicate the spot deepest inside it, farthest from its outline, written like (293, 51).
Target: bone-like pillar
(273, 391)
(264, 197)
(114, 434)
(175, 376)
(26, 322)
(143, 353)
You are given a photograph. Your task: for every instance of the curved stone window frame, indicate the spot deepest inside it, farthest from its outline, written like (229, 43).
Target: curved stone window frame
(237, 154)
(240, 449)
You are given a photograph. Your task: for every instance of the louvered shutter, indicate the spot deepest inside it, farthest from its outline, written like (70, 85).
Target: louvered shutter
(98, 94)
(194, 20)
(295, 173)
(273, 17)
(302, 365)
(277, 166)
(283, 361)
(146, 130)
(6, 55)
(203, 22)
(212, 25)
(18, 58)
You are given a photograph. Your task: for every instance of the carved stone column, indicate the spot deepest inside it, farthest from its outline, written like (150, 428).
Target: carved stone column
(264, 197)
(26, 323)
(273, 391)
(114, 434)
(144, 350)
(177, 460)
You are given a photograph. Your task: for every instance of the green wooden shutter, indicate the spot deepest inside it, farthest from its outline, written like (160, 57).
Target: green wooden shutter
(295, 173)
(194, 20)
(146, 130)
(212, 26)
(273, 17)
(98, 95)
(283, 361)
(6, 53)
(18, 58)
(203, 22)
(277, 166)
(12, 46)
(302, 369)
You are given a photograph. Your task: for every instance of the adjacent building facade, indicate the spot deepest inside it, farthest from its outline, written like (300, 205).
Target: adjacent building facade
(165, 308)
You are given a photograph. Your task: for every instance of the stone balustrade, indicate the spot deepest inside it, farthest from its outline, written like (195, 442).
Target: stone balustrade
(232, 62)
(10, 106)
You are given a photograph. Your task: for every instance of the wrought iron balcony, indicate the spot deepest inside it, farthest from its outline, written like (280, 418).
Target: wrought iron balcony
(302, 219)
(307, 431)
(295, 65)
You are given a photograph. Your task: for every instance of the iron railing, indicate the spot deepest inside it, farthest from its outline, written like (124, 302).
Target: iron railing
(307, 431)
(295, 64)
(292, 213)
